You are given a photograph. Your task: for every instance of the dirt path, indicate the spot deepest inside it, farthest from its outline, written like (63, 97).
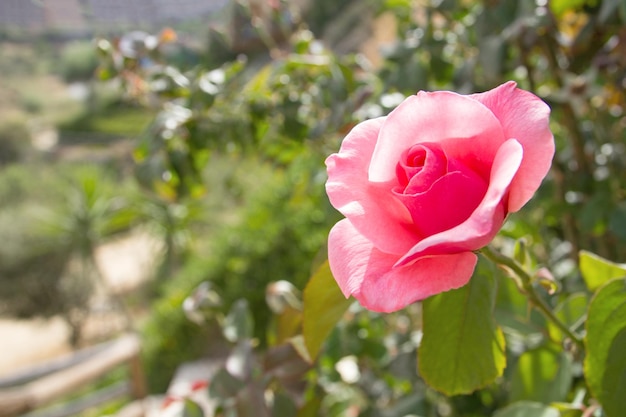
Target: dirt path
(23, 342)
(125, 264)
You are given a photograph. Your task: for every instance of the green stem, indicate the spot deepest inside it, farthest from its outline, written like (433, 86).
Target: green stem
(528, 288)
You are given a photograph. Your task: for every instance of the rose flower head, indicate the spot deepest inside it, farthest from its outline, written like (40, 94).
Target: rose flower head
(426, 186)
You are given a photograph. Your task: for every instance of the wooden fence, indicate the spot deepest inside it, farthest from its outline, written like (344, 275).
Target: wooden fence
(45, 384)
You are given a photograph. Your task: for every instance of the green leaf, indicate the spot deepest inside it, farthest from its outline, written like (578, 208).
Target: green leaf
(312, 407)
(596, 270)
(191, 409)
(571, 312)
(241, 361)
(283, 406)
(527, 409)
(568, 410)
(559, 7)
(288, 324)
(543, 374)
(324, 305)
(400, 4)
(238, 325)
(462, 348)
(522, 255)
(605, 363)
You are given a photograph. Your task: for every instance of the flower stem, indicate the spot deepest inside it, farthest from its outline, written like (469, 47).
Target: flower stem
(529, 289)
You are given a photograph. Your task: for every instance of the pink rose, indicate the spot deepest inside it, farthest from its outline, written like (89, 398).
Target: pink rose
(429, 184)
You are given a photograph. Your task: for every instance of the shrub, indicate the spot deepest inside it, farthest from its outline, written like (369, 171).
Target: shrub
(78, 61)
(14, 142)
(279, 235)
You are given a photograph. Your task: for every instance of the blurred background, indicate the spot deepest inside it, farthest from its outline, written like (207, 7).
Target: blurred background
(148, 146)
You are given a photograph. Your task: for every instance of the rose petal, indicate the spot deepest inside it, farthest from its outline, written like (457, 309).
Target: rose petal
(417, 179)
(462, 125)
(524, 117)
(385, 225)
(367, 273)
(448, 203)
(350, 255)
(404, 285)
(485, 222)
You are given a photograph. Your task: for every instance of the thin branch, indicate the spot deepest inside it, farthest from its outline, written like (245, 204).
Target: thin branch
(529, 289)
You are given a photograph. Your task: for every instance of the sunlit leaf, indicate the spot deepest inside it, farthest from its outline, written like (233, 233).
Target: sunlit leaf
(527, 409)
(543, 374)
(462, 348)
(288, 324)
(559, 7)
(596, 270)
(605, 341)
(568, 410)
(258, 83)
(522, 255)
(401, 4)
(324, 305)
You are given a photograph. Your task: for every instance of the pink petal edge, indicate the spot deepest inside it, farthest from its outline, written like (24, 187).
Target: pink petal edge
(385, 225)
(368, 274)
(427, 276)
(350, 256)
(524, 117)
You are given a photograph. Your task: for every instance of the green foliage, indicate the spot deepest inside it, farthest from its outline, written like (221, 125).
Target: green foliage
(596, 271)
(54, 219)
(543, 375)
(273, 237)
(169, 338)
(325, 305)
(559, 7)
(14, 142)
(463, 348)
(275, 117)
(16, 60)
(106, 117)
(78, 61)
(605, 363)
(527, 409)
(572, 312)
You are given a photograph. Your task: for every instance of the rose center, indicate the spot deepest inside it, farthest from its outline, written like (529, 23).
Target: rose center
(439, 192)
(419, 167)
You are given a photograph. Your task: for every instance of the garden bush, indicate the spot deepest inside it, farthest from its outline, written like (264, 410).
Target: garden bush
(15, 142)
(280, 227)
(77, 61)
(53, 224)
